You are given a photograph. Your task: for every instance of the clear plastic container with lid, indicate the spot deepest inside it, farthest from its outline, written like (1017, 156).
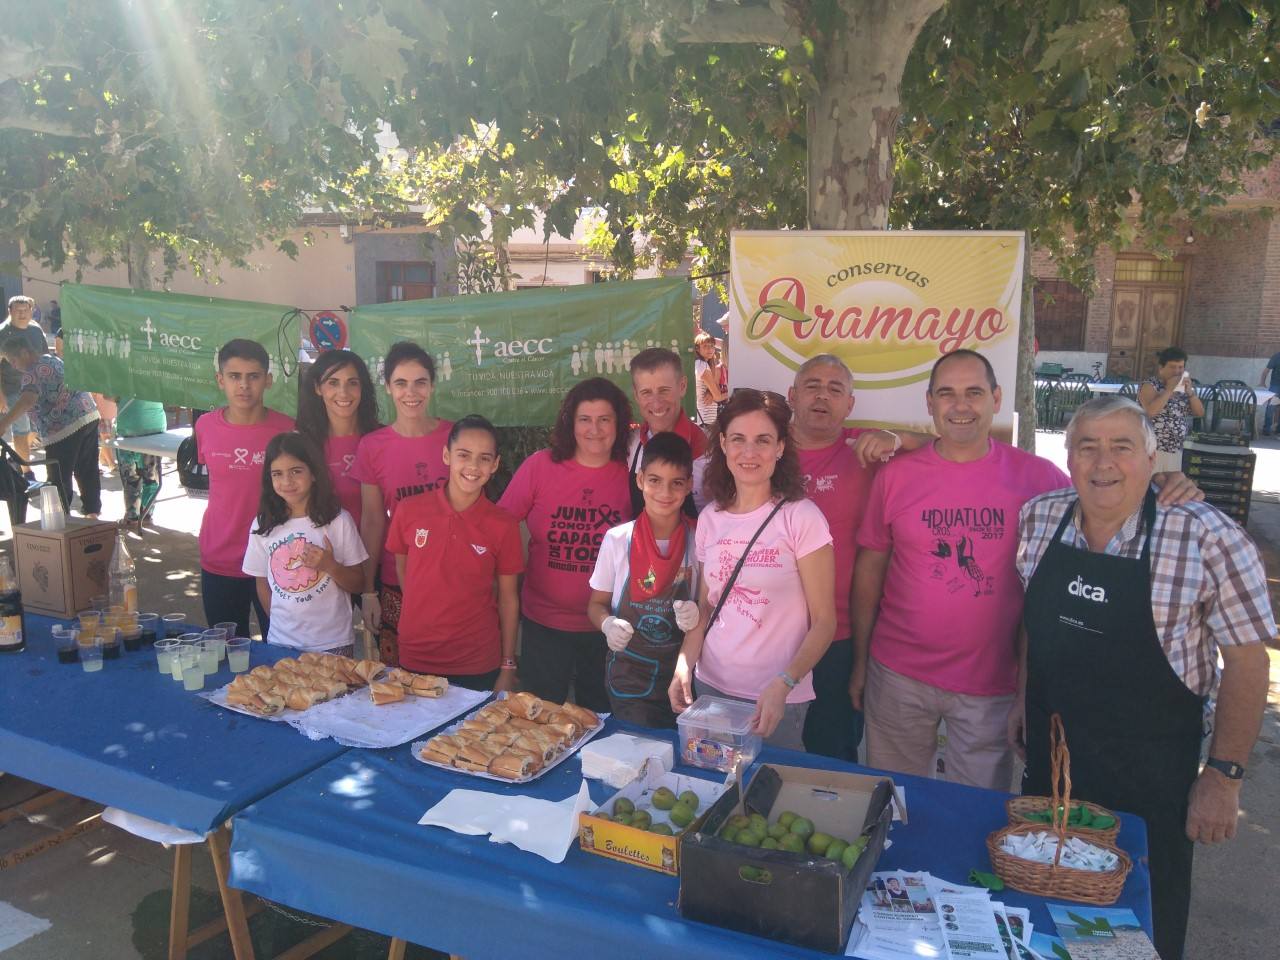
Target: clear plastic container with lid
(715, 732)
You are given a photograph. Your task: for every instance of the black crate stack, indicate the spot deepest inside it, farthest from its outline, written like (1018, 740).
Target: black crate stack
(1222, 466)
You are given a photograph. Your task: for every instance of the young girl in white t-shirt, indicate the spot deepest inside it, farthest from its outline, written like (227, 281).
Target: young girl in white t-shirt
(304, 550)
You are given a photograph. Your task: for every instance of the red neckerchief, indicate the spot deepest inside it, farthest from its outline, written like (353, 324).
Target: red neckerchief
(651, 572)
(684, 428)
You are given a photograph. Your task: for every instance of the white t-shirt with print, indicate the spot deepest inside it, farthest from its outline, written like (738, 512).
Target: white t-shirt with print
(309, 611)
(613, 563)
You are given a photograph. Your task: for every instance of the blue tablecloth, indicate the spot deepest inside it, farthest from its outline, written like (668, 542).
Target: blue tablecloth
(131, 737)
(343, 842)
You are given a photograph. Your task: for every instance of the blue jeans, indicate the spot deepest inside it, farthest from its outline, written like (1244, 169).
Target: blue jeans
(1268, 415)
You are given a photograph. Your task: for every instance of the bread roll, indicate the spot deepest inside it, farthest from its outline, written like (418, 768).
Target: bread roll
(310, 657)
(525, 705)
(263, 671)
(429, 686)
(368, 669)
(511, 766)
(384, 693)
(587, 718)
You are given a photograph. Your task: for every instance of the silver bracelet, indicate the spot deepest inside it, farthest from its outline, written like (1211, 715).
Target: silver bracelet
(788, 680)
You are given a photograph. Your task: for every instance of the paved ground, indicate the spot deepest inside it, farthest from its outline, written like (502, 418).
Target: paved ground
(106, 892)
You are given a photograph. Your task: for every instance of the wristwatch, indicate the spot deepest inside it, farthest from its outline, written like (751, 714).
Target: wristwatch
(1228, 768)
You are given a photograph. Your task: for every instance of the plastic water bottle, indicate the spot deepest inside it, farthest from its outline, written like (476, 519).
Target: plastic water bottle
(124, 577)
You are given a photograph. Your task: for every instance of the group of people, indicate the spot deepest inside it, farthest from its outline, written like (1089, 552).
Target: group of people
(831, 576)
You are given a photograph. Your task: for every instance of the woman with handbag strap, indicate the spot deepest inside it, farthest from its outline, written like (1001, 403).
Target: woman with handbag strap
(767, 575)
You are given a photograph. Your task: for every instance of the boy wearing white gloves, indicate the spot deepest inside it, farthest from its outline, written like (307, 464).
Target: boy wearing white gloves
(643, 586)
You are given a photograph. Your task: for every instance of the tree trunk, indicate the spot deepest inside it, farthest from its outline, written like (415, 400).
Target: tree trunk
(1024, 400)
(853, 116)
(138, 255)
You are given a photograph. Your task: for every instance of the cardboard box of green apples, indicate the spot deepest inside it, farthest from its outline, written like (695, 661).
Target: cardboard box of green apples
(644, 822)
(793, 864)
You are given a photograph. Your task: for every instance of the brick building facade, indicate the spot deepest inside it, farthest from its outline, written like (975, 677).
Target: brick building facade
(1218, 297)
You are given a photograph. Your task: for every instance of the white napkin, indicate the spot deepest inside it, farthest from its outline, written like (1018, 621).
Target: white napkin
(547, 828)
(617, 760)
(149, 829)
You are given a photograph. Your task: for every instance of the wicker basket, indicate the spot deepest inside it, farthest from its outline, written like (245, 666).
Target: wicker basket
(1019, 807)
(1053, 879)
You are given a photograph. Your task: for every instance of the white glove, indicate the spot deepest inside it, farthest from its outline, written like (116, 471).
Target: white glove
(686, 614)
(617, 633)
(371, 612)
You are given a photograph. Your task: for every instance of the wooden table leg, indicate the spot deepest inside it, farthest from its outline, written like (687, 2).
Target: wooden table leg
(180, 902)
(232, 902)
(396, 950)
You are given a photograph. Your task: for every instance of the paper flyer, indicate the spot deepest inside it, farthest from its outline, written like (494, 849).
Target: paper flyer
(1101, 933)
(916, 915)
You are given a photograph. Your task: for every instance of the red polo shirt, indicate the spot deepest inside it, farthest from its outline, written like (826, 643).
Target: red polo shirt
(449, 617)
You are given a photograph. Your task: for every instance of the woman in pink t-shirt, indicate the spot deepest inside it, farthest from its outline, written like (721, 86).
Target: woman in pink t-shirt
(779, 616)
(569, 495)
(336, 407)
(393, 464)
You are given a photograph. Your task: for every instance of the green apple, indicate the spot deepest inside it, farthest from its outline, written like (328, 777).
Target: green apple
(818, 843)
(663, 798)
(801, 827)
(793, 843)
(690, 800)
(623, 805)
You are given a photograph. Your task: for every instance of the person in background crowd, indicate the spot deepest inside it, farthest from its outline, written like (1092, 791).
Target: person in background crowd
(1129, 606)
(766, 600)
(936, 600)
(458, 559)
(392, 464)
(231, 442)
(66, 420)
(139, 472)
(55, 319)
(304, 551)
(19, 319)
(837, 464)
(1169, 398)
(336, 409)
(1271, 380)
(643, 587)
(706, 375)
(658, 385)
(568, 495)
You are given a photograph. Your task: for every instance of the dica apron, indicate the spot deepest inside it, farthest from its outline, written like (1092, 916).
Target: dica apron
(1094, 656)
(637, 677)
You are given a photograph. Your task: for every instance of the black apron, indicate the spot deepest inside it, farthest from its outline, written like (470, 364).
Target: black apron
(1133, 728)
(689, 508)
(637, 677)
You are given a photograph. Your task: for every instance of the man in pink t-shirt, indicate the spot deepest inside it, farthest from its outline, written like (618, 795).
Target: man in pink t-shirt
(937, 599)
(231, 442)
(838, 464)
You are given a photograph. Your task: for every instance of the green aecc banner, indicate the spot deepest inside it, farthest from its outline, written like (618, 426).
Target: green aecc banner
(164, 346)
(513, 356)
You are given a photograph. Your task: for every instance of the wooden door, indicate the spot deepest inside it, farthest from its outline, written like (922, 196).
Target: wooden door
(1145, 318)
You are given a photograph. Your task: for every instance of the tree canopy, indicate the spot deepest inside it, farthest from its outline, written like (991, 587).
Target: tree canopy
(199, 126)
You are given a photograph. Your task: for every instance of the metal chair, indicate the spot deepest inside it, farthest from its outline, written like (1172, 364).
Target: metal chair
(1044, 399)
(1068, 395)
(1234, 400)
(1129, 388)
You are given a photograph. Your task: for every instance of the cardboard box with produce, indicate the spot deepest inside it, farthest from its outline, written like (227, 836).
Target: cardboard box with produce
(643, 823)
(794, 865)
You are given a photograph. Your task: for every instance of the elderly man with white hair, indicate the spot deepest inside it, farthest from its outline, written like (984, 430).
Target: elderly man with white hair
(1129, 604)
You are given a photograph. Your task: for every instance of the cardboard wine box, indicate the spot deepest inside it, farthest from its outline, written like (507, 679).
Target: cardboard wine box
(61, 571)
(798, 898)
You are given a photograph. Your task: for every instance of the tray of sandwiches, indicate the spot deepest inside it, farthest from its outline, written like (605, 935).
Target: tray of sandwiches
(324, 696)
(515, 739)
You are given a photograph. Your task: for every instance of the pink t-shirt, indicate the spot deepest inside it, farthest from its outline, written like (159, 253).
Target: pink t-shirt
(401, 467)
(952, 599)
(234, 454)
(568, 509)
(840, 486)
(340, 455)
(763, 623)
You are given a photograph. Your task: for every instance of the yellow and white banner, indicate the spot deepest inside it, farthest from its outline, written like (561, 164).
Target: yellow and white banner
(888, 303)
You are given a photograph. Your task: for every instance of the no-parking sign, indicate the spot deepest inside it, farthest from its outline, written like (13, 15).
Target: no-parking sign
(328, 331)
